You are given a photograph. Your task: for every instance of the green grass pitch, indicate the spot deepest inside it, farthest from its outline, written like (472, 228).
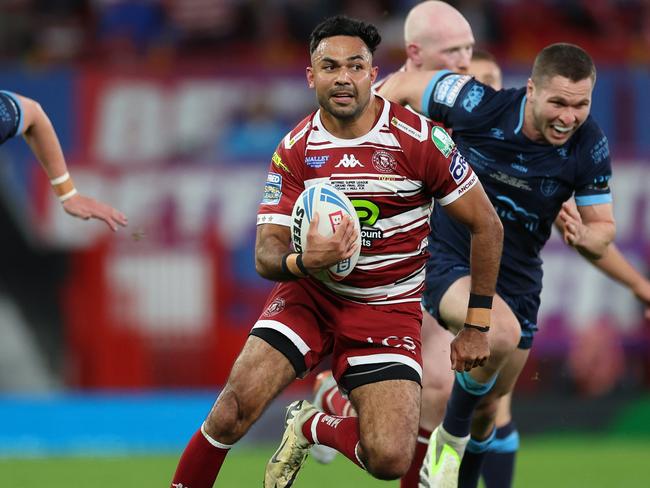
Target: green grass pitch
(559, 462)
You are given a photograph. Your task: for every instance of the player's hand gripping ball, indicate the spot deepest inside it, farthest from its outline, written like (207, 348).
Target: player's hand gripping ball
(331, 205)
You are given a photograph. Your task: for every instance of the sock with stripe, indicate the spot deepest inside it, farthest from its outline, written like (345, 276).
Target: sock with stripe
(470, 466)
(200, 462)
(334, 403)
(465, 395)
(412, 476)
(499, 465)
(340, 433)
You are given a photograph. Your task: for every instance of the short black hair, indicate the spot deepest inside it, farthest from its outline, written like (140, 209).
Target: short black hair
(563, 59)
(340, 25)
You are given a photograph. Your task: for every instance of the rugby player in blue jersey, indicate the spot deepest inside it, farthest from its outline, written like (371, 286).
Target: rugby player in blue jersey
(498, 466)
(533, 148)
(23, 116)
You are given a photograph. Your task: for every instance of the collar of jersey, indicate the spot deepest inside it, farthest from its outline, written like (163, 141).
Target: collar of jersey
(381, 121)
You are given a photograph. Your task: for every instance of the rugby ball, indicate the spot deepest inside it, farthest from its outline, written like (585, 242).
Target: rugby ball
(331, 205)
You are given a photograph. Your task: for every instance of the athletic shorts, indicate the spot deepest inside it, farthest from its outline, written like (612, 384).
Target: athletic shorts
(441, 276)
(368, 343)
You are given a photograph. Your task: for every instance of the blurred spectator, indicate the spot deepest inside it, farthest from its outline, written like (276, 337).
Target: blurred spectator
(128, 29)
(597, 359)
(252, 134)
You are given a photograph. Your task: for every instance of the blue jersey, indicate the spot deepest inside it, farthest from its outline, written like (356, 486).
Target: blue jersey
(10, 116)
(526, 181)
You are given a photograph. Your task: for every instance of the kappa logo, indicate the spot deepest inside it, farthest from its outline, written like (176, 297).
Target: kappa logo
(349, 161)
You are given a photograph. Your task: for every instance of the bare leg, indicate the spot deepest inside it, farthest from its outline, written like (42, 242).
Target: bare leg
(388, 422)
(258, 375)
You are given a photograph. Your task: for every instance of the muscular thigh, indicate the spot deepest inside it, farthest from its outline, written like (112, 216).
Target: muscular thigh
(388, 413)
(259, 374)
(453, 310)
(437, 376)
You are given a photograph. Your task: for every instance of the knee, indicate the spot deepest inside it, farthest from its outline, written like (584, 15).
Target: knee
(505, 339)
(229, 419)
(387, 462)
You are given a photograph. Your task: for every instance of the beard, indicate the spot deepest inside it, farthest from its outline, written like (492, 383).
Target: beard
(348, 112)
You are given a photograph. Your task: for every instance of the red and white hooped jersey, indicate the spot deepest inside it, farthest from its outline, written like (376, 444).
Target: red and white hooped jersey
(391, 175)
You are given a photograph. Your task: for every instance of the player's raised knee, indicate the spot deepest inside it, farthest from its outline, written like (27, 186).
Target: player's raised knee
(388, 462)
(504, 338)
(228, 419)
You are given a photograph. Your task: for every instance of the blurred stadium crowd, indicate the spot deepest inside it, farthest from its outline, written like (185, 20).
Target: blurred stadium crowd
(273, 32)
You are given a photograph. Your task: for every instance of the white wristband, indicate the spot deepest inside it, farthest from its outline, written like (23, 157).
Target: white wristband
(68, 195)
(60, 179)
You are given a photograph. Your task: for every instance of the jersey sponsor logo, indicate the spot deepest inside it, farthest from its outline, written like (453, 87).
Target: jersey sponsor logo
(512, 212)
(600, 151)
(272, 189)
(384, 162)
(448, 88)
(420, 136)
(368, 213)
(349, 161)
(316, 161)
(277, 161)
(458, 167)
(275, 307)
(468, 184)
(549, 186)
(405, 342)
(473, 98)
(442, 140)
(510, 180)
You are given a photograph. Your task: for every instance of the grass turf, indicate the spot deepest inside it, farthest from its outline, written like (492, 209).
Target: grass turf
(551, 461)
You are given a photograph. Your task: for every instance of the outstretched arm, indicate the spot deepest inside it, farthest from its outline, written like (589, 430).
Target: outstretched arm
(407, 88)
(612, 262)
(44, 143)
(470, 347)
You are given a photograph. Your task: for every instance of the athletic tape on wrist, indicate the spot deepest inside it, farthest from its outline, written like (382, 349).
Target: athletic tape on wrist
(63, 187)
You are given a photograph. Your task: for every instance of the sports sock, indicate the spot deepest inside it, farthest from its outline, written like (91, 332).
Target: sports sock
(470, 466)
(334, 403)
(465, 395)
(200, 462)
(499, 465)
(340, 433)
(412, 476)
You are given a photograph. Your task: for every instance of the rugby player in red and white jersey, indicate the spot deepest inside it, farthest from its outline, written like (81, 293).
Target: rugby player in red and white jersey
(436, 36)
(391, 162)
